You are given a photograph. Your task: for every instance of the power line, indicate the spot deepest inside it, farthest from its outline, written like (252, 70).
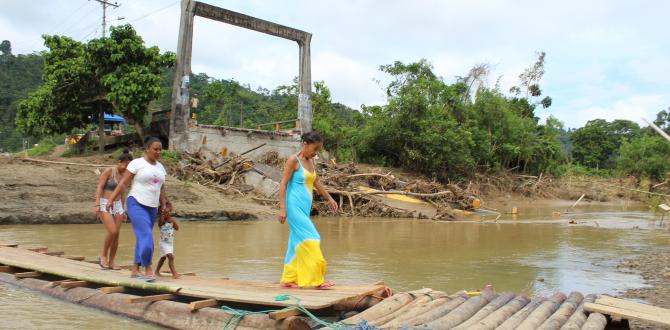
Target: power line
(152, 12)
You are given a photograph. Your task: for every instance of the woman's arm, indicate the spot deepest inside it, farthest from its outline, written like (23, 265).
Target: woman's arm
(324, 193)
(100, 188)
(163, 197)
(289, 168)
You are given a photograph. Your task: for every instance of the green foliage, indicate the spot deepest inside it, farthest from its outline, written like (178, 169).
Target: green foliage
(596, 145)
(437, 128)
(44, 147)
(117, 74)
(170, 155)
(645, 156)
(19, 74)
(69, 152)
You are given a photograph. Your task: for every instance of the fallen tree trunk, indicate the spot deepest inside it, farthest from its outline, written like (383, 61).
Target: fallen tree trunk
(491, 307)
(543, 312)
(555, 321)
(578, 318)
(596, 321)
(462, 312)
(500, 315)
(520, 316)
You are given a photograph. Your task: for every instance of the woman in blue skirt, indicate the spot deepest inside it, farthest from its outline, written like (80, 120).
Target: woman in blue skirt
(147, 193)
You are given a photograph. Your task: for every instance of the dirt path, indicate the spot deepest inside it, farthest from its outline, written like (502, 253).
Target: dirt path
(35, 193)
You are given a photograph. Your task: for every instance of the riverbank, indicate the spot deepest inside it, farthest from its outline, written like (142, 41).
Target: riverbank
(35, 193)
(60, 193)
(655, 269)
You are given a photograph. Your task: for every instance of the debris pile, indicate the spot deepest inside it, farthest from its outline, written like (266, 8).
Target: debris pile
(196, 167)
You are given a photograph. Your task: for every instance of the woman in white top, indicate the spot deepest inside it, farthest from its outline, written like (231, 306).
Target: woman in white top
(147, 193)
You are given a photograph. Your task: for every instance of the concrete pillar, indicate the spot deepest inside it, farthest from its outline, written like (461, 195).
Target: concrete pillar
(305, 85)
(180, 93)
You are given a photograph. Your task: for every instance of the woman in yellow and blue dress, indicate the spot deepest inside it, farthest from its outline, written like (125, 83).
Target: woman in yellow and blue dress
(304, 265)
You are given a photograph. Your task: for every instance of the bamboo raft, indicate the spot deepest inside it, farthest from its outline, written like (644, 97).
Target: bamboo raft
(193, 301)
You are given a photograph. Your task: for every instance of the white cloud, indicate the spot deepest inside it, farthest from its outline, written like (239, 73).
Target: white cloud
(604, 58)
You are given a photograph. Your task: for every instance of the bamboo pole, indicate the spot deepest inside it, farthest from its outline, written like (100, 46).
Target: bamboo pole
(401, 320)
(385, 307)
(518, 317)
(497, 318)
(491, 307)
(437, 312)
(543, 312)
(556, 320)
(462, 312)
(578, 318)
(596, 321)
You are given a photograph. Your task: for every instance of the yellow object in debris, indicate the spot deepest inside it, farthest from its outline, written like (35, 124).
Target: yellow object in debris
(473, 293)
(515, 211)
(393, 196)
(476, 203)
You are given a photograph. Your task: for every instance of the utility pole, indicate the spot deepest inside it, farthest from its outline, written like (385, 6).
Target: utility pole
(104, 4)
(101, 110)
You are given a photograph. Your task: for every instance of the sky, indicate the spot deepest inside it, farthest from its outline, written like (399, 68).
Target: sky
(605, 59)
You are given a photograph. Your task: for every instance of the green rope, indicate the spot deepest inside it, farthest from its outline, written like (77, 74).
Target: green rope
(239, 314)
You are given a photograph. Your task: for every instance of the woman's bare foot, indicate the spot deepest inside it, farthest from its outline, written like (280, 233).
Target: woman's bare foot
(288, 285)
(176, 276)
(325, 285)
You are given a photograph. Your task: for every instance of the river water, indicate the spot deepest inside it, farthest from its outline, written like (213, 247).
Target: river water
(536, 254)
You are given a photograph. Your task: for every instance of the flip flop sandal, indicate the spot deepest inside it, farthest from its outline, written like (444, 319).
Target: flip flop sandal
(139, 277)
(100, 264)
(151, 278)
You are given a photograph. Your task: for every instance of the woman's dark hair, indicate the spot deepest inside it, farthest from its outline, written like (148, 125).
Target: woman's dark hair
(125, 155)
(311, 137)
(149, 140)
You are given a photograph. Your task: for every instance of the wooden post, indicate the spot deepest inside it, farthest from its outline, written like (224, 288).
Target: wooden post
(305, 85)
(277, 127)
(153, 298)
(112, 289)
(73, 284)
(101, 128)
(202, 304)
(27, 274)
(180, 94)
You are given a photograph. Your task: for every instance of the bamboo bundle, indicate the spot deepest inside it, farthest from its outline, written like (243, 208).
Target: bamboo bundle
(518, 317)
(543, 312)
(389, 305)
(578, 318)
(437, 312)
(418, 310)
(500, 315)
(596, 321)
(462, 312)
(402, 310)
(492, 306)
(563, 313)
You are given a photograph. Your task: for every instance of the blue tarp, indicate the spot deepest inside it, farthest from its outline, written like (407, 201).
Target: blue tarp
(110, 118)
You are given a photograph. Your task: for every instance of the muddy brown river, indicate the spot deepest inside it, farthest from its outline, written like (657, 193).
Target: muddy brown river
(535, 253)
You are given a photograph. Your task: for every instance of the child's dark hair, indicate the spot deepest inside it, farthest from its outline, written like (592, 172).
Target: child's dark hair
(311, 137)
(149, 140)
(125, 155)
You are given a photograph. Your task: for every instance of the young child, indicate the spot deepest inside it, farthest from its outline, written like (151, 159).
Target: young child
(167, 226)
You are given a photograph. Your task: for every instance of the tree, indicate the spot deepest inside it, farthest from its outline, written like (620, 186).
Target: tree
(596, 145)
(6, 47)
(645, 156)
(80, 80)
(530, 82)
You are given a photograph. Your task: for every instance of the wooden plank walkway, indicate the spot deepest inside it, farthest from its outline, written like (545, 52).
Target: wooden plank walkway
(223, 290)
